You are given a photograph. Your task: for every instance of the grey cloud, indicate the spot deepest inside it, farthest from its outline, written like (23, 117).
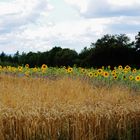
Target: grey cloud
(102, 8)
(13, 22)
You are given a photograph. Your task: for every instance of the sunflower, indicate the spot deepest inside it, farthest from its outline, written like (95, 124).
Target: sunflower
(95, 74)
(131, 77)
(127, 67)
(13, 69)
(9, 68)
(69, 70)
(125, 70)
(108, 66)
(43, 71)
(114, 74)
(20, 68)
(90, 74)
(44, 67)
(27, 73)
(35, 69)
(27, 66)
(137, 78)
(124, 77)
(114, 71)
(100, 71)
(134, 70)
(83, 70)
(120, 67)
(115, 77)
(105, 74)
(115, 68)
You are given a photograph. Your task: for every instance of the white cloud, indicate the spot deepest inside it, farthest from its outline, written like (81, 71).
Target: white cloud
(80, 4)
(24, 25)
(75, 34)
(106, 8)
(16, 17)
(21, 12)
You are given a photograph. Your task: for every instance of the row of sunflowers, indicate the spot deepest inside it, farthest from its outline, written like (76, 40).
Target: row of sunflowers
(117, 73)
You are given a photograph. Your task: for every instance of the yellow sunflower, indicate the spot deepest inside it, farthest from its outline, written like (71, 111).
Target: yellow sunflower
(134, 70)
(35, 69)
(108, 66)
(120, 67)
(114, 74)
(131, 77)
(27, 66)
(124, 77)
(125, 70)
(44, 67)
(127, 67)
(137, 78)
(20, 68)
(83, 70)
(100, 71)
(96, 74)
(115, 77)
(114, 71)
(90, 74)
(105, 74)
(70, 70)
(27, 73)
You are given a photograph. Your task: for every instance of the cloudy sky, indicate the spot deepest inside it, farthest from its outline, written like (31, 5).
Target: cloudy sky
(39, 25)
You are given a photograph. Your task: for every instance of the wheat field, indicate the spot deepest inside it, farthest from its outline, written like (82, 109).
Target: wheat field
(66, 109)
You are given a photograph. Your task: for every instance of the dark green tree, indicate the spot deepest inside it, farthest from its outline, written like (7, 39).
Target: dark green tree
(112, 41)
(137, 43)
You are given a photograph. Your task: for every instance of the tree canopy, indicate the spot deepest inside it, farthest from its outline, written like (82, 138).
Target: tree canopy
(108, 50)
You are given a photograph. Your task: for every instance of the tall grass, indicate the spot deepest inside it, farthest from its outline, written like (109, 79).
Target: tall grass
(66, 109)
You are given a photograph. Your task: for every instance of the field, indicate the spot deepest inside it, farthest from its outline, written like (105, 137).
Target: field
(69, 103)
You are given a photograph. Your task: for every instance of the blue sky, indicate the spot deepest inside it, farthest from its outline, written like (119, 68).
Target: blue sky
(39, 25)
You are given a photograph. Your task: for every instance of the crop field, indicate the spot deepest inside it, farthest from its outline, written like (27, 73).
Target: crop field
(49, 103)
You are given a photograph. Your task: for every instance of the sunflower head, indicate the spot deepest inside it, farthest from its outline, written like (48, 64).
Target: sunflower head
(127, 67)
(114, 71)
(105, 74)
(96, 74)
(44, 67)
(27, 66)
(27, 73)
(90, 74)
(131, 77)
(115, 77)
(83, 70)
(20, 68)
(137, 78)
(70, 70)
(124, 77)
(108, 66)
(134, 70)
(35, 69)
(120, 67)
(100, 71)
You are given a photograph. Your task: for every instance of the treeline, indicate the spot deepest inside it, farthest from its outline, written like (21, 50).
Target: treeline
(110, 50)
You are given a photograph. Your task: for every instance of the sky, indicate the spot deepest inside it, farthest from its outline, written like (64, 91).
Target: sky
(39, 25)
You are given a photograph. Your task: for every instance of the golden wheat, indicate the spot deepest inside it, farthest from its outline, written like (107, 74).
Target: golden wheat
(66, 109)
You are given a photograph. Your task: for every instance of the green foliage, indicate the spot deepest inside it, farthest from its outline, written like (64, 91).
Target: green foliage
(108, 50)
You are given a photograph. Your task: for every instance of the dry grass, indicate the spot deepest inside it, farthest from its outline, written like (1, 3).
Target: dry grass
(66, 109)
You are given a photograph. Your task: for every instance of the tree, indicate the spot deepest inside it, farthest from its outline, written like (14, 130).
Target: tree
(112, 50)
(2, 56)
(112, 41)
(137, 43)
(16, 57)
